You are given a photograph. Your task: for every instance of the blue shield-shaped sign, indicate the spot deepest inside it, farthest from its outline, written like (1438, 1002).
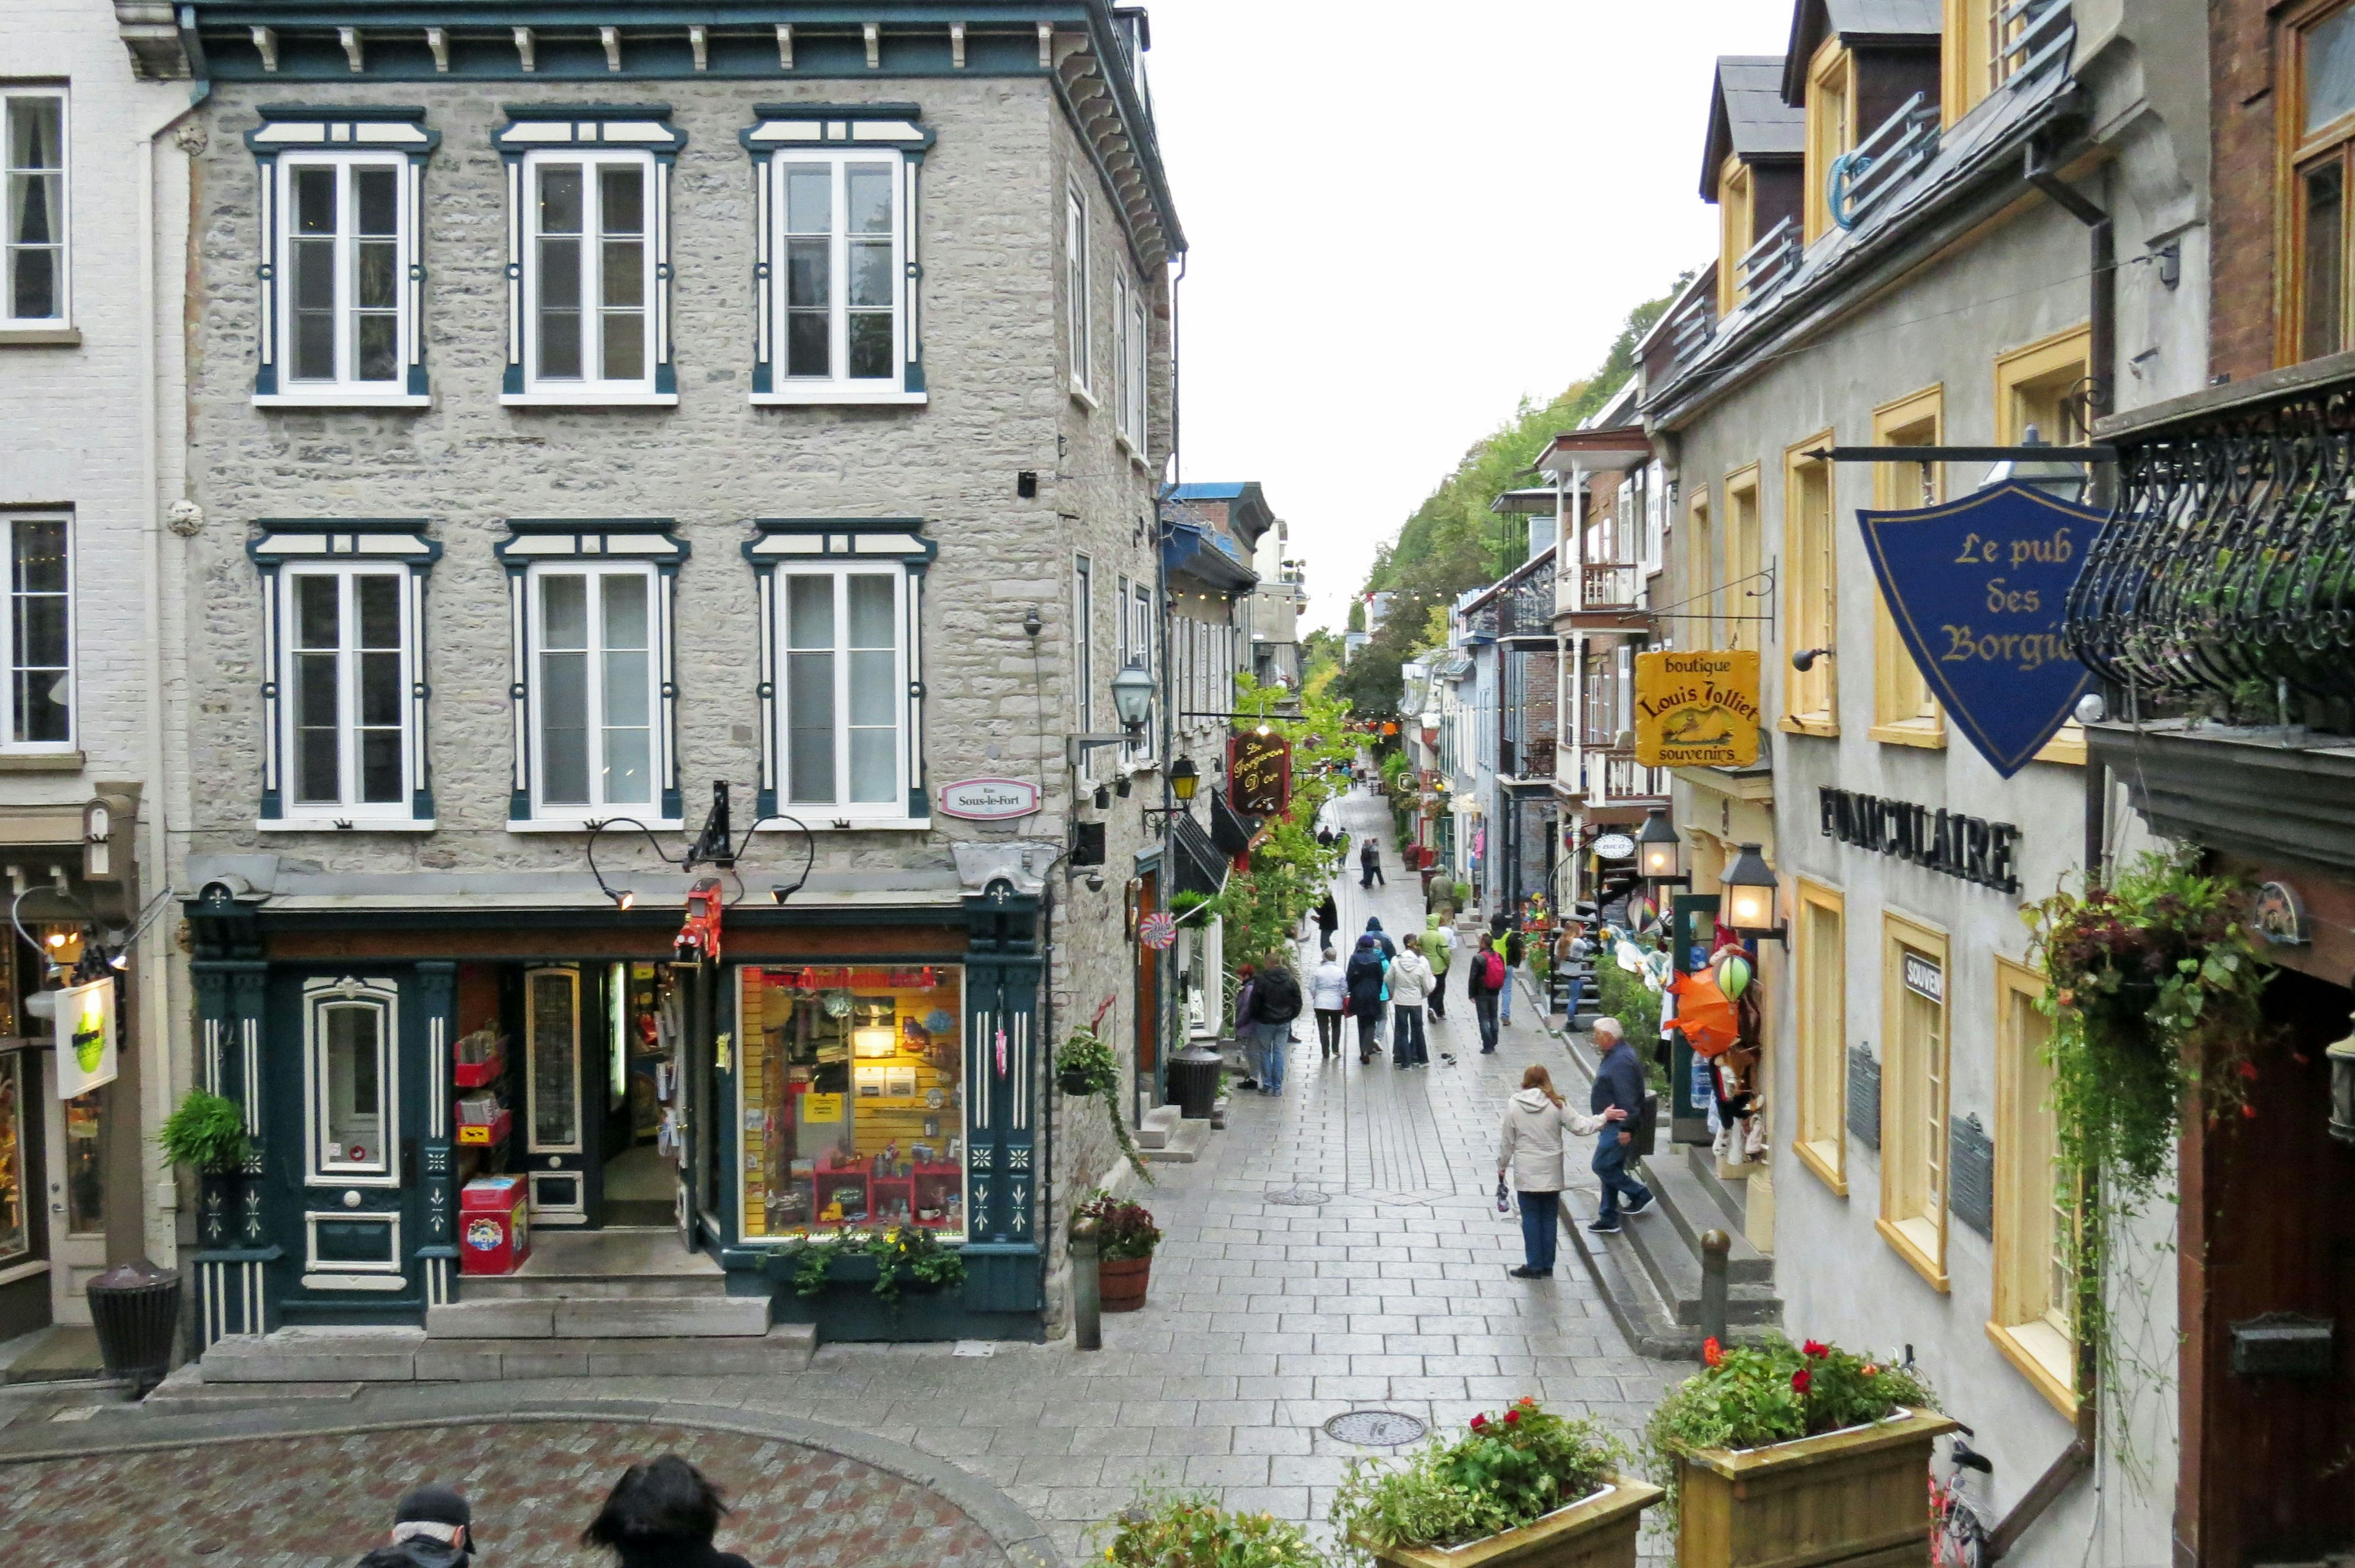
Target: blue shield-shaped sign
(1977, 587)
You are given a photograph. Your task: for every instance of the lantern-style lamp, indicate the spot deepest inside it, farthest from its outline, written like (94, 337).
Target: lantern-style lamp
(1132, 694)
(2060, 479)
(2342, 1088)
(1659, 850)
(1184, 779)
(1750, 890)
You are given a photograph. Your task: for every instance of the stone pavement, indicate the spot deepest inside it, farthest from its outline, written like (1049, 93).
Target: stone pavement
(1338, 1249)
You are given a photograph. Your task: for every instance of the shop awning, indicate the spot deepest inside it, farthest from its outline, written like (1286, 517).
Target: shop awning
(1231, 830)
(1200, 868)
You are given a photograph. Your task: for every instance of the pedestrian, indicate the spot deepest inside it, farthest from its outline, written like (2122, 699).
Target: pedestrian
(1618, 1082)
(1367, 979)
(1374, 929)
(432, 1527)
(662, 1514)
(1328, 920)
(1369, 863)
(1411, 983)
(1328, 993)
(1483, 977)
(1438, 950)
(1529, 1148)
(1514, 950)
(1275, 1002)
(1572, 952)
(1246, 1038)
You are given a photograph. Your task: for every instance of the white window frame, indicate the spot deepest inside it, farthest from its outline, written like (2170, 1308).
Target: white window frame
(321, 1273)
(9, 745)
(321, 997)
(1122, 429)
(1083, 658)
(532, 1142)
(346, 809)
(1137, 386)
(653, 244)
(1078, 304)
(344, 388)
(39, 326)
(545, 812)
(840, 387)
(893, 811)
(1139, 613)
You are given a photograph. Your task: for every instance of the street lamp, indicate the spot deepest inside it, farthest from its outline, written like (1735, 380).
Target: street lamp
(1132, 694)
(2061, 481)
(1184, 779)
(1657, 850)
(1750, 890)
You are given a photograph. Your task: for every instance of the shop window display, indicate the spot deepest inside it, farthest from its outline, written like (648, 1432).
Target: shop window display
(16, 1221)
(854, 1099)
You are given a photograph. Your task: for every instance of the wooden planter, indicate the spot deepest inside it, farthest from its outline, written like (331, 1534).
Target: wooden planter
(1858, 1497)
(1599, 1532)
(1121, 1283)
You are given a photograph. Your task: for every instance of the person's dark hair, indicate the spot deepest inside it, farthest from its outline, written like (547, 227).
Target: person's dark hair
(664, 1502)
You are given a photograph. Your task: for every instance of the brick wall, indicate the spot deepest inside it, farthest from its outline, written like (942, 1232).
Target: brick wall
(2240, 292)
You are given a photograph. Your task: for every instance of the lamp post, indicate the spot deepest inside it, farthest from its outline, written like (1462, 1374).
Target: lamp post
(2341, 1055)
(1749, 893)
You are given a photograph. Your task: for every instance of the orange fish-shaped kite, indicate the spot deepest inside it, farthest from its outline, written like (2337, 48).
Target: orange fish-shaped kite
(1703, 1013)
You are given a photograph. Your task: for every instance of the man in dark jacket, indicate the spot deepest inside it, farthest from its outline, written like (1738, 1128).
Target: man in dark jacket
(1368, 993)
(1275, 1002)
(1369, 864)
(1618, 1081)
(432, 1527)
(1374, 929)
(1484, 977)
(1328, 921)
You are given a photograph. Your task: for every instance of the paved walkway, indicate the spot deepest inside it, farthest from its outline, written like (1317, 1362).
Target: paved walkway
(1270, 1312)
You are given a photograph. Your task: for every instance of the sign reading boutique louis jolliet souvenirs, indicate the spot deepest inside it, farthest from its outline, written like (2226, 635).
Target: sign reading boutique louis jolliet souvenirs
(1259, 773)
(1976, 589)
(1696, 710)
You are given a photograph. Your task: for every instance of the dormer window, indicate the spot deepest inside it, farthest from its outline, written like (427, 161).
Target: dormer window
(1831, 128)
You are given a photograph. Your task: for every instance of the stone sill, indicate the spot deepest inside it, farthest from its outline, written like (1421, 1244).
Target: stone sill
(41, 762)
(40, 336)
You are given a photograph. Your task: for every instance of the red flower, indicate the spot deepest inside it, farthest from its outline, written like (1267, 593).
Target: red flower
(1478, 1421)
(1801, 1379)
(1712, 1353)
(2249, 1112)
(2248, 1070)
(1528, 1402)
(1511, 1416)
(1870, 1371)
(1816, 1347)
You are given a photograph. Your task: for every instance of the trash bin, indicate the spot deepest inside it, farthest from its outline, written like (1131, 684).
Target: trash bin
(1194, 1080)
(135, 1307)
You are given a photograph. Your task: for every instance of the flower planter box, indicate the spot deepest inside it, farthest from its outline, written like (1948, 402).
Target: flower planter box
(1121, 1282)
(1856, 1498)
(1597, 1531)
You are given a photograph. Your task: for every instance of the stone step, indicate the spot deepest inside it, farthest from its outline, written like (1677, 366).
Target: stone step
(596, 1317)
(324, 1358)
(186, 1389)
(1158, 1128)
(554, 1286)
(1650, 1323)
(1686, 1201)
(1674, 1269)
(1185, 1143)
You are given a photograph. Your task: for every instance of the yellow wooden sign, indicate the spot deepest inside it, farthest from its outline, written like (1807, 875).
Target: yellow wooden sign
(1696, 710)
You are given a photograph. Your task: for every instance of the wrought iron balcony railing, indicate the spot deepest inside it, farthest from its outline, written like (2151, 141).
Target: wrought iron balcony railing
(1525, 609)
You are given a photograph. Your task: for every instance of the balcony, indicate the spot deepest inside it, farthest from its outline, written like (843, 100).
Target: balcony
(1608, 598)
(1616, 778)
(1525, 610)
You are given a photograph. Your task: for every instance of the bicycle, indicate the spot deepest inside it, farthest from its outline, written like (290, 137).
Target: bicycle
(1958, 1534)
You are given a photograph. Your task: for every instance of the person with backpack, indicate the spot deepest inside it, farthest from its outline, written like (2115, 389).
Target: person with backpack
(1246, 1033)
(1275, 1002)
(1368, 982)
(1369, 864)
(1438, 949)
(1411, 983)
(1484, 978)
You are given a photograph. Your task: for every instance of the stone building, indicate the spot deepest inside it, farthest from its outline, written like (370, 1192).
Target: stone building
(643, 731)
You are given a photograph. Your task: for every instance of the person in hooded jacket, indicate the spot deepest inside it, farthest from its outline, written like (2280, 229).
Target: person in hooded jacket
(1389, 948)
(1328, 993)
(662, 1514)
(1529, 1149)
(432, 1527)
(1368, 981)
(1410, 987)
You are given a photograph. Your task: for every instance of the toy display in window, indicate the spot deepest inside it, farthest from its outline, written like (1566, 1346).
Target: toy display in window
(15, 1234)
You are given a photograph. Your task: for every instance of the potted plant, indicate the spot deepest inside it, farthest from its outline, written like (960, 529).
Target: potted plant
(1125, 1237)
(1794, 1455)
(207, 1133)
(1085, 1067)
(1189, 1530)
(1524, 1489)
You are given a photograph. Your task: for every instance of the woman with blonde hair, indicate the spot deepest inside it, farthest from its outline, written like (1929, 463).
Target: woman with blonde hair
(1529, 1146)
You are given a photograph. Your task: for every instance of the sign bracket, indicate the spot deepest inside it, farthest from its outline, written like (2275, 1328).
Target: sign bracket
(2097, 452)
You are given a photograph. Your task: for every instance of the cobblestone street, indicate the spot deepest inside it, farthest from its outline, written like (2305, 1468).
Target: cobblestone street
(1336, 1248)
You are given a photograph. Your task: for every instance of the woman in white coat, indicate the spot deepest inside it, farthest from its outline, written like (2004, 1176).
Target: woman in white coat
(1411, 983)
(1529, 1145)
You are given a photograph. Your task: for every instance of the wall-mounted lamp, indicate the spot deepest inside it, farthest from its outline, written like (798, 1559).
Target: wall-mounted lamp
(1659, 850)
(1184, 779)
(1750, 892)
(2341, 1056)
(1805, 659)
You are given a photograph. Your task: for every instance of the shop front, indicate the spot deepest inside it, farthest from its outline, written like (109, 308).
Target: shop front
(432, 1091)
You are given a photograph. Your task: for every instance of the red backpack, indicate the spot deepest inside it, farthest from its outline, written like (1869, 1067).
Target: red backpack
(1492, 970)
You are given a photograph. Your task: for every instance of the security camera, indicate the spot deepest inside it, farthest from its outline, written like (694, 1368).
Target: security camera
(1095, 882)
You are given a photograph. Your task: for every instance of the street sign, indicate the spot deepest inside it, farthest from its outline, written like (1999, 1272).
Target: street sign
(988, 800)
(1615, 846)
(1696, 710)
(85, 1035)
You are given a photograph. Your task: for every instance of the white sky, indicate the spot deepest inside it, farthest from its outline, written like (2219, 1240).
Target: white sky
(1405, 217)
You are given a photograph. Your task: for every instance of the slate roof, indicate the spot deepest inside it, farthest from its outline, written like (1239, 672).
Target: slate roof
(1921, 22)
(1747, 117)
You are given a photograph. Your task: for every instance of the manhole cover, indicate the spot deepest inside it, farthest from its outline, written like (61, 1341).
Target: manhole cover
(1375, 1428)
(1298, 1197)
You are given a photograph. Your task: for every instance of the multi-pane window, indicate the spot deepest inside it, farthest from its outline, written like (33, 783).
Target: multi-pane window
(842, 223)
(2320, 137)
(37, 633)
(1903, 711)
(33, 249)
(347, 680)
(589, 238)
(1914, 1096)
(2035, 1232)
(1084, 654)
(1134, 378)
(1822, 972)
(1811, 540)
(844, 685)
(344, 261)
(1138, 650)
(1077, 303)
(1120, 350)
(595, 745)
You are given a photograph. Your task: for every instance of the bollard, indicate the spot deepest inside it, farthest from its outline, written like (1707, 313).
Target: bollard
(1087, 1296)
(1714, 1246)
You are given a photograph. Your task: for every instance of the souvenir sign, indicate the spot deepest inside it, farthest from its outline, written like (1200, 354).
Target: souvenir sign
(85, 1032)
(1259, 773)
(1976, 588)
(1615, 846)
(1696, 710)
(988, 800)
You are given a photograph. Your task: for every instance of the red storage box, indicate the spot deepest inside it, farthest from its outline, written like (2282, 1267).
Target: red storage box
(494, 1224)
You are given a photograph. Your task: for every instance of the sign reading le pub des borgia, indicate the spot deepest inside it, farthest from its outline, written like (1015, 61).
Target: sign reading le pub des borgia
(1259, 773)
(988, 800)
(1696, 710)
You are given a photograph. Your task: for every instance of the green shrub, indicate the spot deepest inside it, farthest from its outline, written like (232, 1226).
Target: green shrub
(1503, 1472)
(1189, 1530)
(1123, 1230)
(206, 1132)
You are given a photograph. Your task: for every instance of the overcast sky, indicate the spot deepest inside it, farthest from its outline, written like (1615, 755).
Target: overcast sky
(1404, 218)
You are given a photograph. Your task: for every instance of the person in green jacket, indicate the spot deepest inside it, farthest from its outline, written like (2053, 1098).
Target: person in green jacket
(1438, 944)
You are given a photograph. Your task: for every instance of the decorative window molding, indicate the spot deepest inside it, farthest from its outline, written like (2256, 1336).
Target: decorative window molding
(341, 308)
(332, 1261)
(1078, 304)
(1820, 968)
(288, 552)
(820, 267)
(837, 548)
(351, 1082)
(1917, 1181)
(36, 252)
(596, 549)
(608, 258)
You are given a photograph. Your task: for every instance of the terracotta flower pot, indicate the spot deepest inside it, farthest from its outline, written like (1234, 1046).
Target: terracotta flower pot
(1851, 1497)
(1598, 1531)
(1121, 1282)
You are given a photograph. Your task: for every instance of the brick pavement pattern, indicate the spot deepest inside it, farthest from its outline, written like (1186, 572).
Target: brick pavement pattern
(320, 1501)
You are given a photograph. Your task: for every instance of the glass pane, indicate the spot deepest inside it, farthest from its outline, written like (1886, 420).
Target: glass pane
(807, 349)
(379, 690)
(317, 627)
(353, 1123)
(872, 623)
(560, 199)
(564, 690)
(36, 133)
(15, 1217)
(379, 599)
(35, 220)
(870, 344)
(874, 766)
(554, 1046)
(809, 720)
(559, 307)
(625, 344)
(622, 200)
(628, 736)
(874, 699)
(317, 618)
(86, 1164)
(2330, 71)
(375, 193)
(378, 345)
(624, 608)
(380, 767)
(564, 611)
(809, 199)
(809, 611)
(312, 290)
(315, 201)
(2324, 306)
(868, 193)
(626, 274)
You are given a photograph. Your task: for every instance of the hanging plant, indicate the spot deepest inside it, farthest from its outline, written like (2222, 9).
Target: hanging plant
(1086, 1066)
(206, 1132)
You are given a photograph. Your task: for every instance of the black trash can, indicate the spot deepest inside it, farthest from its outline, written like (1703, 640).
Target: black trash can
(1194, 1080)
(135, 1307)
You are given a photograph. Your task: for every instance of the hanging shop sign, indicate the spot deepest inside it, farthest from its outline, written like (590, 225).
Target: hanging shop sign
(1925, 978)
(1970, 848)
(86, 1045)
(1696, 710)
(1614, 846)
(1976, 588)
(988, 800)
(1259, 773)
(2278, 915)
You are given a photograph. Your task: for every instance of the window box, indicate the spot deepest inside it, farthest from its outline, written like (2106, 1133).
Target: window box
(1596, 1532)
(1840, 1496)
